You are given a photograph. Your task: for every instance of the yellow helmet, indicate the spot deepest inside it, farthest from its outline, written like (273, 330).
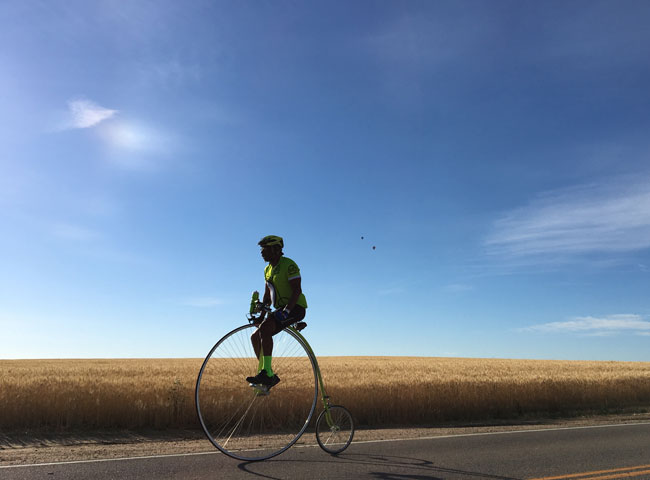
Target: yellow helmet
(271, 240)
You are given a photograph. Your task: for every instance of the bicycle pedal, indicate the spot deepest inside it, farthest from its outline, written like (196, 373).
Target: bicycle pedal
(260, 390)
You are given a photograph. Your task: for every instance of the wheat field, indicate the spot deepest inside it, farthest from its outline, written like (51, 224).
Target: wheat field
(380, 391)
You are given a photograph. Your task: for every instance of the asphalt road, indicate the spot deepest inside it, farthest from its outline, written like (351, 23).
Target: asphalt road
(603, 452)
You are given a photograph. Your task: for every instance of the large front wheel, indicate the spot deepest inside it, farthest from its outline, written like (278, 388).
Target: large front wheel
(247, 423)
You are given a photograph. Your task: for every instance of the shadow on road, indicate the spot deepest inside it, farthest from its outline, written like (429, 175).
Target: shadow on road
(385, 467)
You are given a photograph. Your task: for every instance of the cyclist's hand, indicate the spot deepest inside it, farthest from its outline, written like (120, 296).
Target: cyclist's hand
(258, 320)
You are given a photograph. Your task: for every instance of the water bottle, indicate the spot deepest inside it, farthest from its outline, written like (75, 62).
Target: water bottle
(255, 298)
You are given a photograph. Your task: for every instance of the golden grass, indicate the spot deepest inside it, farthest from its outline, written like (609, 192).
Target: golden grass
(159, 393)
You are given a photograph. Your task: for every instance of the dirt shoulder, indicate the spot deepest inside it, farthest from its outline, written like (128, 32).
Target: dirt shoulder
(36, 448)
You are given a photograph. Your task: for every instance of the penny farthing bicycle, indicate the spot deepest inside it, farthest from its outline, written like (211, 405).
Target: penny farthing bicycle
(250, 422)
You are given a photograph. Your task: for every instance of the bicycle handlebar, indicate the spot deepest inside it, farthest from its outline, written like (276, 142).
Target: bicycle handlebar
(259, 308)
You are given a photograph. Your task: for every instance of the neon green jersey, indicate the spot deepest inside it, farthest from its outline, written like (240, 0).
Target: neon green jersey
(277, 278)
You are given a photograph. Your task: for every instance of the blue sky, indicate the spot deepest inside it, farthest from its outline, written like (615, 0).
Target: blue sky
(496, 154)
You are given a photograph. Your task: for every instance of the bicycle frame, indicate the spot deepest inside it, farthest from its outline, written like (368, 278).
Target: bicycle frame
(324, 397)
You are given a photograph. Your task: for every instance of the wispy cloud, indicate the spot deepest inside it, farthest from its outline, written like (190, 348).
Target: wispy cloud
(138, 146)
(127, 140)
(612, 217)
(595, 326)
(86, 113)
(134, 136)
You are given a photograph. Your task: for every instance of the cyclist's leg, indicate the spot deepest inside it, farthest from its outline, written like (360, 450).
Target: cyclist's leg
(272, 326)
(297, 314)
(256, 341)
(262, 339)
(257, 348)
(266, 331)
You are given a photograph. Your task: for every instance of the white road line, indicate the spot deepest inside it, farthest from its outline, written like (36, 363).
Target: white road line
(478, 434)
(100, 460)
(312, 446)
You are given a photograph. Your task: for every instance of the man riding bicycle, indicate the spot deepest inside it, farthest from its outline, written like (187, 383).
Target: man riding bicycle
(283, 290)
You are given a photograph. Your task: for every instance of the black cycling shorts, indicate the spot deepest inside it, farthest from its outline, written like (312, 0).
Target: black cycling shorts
(297, 314)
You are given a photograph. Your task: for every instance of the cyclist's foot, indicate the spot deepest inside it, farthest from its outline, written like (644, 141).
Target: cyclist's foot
(252, 380)
(263, 379)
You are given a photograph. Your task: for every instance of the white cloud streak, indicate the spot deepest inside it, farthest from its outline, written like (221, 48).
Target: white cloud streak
(598, 218)
(86, 114)
(594, 326)
(129, 144)
(136, 146)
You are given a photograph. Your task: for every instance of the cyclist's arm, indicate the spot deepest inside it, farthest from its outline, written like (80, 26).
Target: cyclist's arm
(296, 290)
(266, 300)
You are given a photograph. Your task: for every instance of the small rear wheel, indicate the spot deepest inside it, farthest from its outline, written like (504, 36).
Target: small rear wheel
(334, 429)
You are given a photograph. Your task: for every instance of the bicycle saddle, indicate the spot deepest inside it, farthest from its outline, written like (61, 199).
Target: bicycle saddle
(300, 325)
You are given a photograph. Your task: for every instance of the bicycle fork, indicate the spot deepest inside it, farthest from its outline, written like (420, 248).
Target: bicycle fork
(325, 398)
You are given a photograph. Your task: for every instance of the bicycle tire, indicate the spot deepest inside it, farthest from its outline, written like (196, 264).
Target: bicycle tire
(235, 417)
(334, 435)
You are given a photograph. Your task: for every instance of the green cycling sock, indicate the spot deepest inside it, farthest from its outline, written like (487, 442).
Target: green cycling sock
(267, 365)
